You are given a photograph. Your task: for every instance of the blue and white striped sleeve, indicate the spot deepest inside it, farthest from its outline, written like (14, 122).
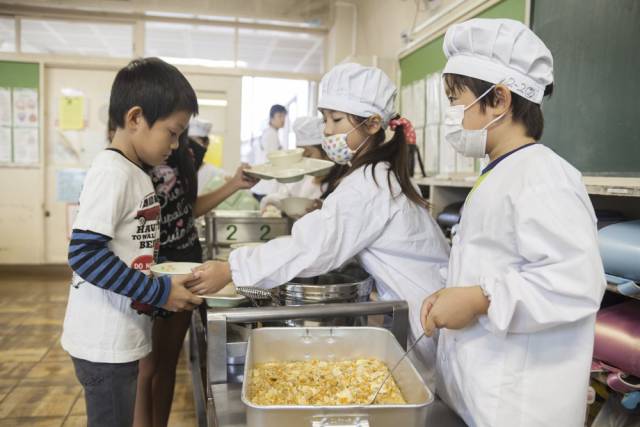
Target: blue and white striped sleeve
(91, 259)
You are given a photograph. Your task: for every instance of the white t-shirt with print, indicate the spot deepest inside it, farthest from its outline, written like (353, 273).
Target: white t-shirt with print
(117, 200)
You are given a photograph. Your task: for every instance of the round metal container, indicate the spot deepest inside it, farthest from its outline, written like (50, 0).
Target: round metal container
(328, 288)
(351, 284)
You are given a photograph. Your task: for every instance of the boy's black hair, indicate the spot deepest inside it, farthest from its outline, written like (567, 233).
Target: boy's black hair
(277, 108)
(522, 110)
(153, 85)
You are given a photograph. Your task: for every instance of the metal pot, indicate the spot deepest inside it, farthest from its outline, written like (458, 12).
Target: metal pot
(328, 288)
(347, 285)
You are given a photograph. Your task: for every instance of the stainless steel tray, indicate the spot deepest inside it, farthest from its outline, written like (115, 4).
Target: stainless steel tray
(288, 344)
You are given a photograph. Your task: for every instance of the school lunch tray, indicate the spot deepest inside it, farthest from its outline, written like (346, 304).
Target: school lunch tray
(338, 343)
(291, 173)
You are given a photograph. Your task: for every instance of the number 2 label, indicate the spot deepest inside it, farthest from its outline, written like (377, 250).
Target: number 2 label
(266, 229)
(234, 230)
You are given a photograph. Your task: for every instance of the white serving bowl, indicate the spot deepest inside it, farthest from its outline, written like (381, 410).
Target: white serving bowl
(296, 207)
(173, 268)
(285, 158)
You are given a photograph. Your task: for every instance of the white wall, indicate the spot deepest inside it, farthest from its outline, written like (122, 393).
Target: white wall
(378, 28)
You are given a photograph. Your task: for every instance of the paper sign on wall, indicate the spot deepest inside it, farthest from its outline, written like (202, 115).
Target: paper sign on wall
(5, 144)
(5, 106)
(213, 155)
(25, 107)
(26, 149)
(71, 113)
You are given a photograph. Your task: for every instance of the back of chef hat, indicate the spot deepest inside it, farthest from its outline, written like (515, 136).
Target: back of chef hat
(308, 131)
(500, 51)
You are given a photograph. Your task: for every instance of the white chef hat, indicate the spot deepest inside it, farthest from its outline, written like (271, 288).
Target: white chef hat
(199, 128)
(308, 131)
(500, 51)
(358, 90)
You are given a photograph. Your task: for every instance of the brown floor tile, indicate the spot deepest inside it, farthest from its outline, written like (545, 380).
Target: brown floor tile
(79, 407)
(15, 369)
(25, 348)
(31, 422)
(183, 398)
(49, 373)
(77, 421)
(182, 419)
(6, 385)
(56, 354)
(46, 329)
(39, 401)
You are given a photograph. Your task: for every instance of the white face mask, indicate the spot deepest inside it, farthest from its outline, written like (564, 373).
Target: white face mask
(337, 148)
(469, 143)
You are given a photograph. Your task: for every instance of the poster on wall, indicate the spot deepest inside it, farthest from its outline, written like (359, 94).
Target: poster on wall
(5, 106)
(71, 112)
(25, 107)
(69, 184)
(25, 146)
(5, 144)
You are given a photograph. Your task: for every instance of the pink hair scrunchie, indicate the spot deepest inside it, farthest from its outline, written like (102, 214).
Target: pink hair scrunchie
(407, 129)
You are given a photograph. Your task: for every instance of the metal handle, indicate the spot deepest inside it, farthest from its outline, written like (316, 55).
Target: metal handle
(340, 421)
(252, 315)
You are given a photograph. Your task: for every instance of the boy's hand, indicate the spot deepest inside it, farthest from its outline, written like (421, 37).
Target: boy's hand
(240, 180)
(210, 277)
(180, 298)
(453, 308)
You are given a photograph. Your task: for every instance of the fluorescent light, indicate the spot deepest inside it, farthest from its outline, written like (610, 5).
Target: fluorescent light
(212, 63)
(212, 102)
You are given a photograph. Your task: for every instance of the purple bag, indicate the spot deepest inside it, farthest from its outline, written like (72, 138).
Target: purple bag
(617, 340)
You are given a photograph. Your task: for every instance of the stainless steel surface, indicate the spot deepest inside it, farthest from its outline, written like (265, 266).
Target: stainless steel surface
(219, 319)
(197, 353)
(224, 228)
(286, 344)
(392, 370)
(221, 405)
(231, 410)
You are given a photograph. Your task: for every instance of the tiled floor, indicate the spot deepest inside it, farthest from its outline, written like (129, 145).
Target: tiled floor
(38, 387)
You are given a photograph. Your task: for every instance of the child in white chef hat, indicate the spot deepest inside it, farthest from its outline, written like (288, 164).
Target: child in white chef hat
(374, 213)
(525, 277)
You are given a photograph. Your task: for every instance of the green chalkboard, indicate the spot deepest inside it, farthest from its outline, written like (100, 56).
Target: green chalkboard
(430, 57)
(593, 118)
(19, 74)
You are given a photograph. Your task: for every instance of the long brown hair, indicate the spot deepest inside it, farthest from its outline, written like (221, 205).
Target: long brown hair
(395, 152)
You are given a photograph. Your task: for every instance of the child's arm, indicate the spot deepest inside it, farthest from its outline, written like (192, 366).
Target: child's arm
(92, 260)
(562, 280)
(206, 202)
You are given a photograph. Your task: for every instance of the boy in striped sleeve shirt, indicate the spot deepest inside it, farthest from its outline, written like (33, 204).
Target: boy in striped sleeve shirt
(115, 238)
